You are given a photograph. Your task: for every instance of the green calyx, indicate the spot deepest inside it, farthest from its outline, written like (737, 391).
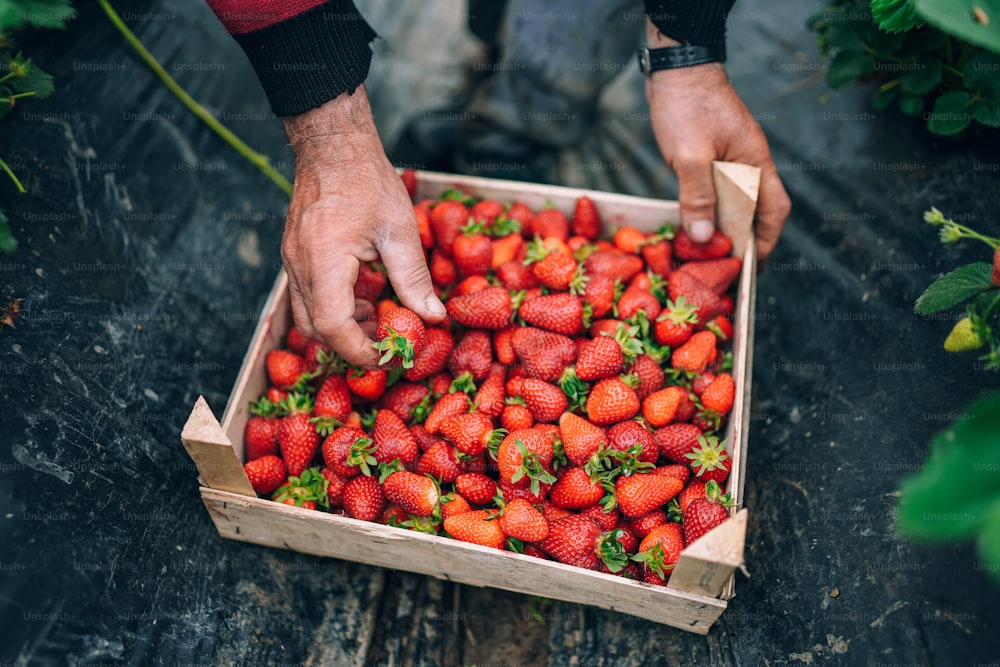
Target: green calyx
(576, 390)
(395, 344)
(653, 559)
(627, 338)
(265, 408)
(360, 454)
(532, 468)
(709, 454)
(611, 551)
(463, 383)
(311, 485)
(536, 251)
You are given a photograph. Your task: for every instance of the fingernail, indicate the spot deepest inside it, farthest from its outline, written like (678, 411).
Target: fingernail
(435, 307)
(701, 230)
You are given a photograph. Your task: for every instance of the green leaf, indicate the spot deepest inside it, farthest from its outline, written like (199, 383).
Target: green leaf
(987, 112)
(847, 66)
(7, 241)
(27, 77)
(951, 113)
(844, 35)
(955, 287)
(982, 72)
(959, 18)
(37, 13)
(989, 542)
(925, 75)
(896, 15)
(883, 99)
(957, 493)
(911, 105)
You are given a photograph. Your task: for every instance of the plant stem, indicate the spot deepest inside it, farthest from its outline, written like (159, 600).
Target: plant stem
(9, 101)
(259, 160)
(889, 85)
(9, 75)
(13, 177)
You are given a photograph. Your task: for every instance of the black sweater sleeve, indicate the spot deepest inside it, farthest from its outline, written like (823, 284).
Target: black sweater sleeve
(701, 22)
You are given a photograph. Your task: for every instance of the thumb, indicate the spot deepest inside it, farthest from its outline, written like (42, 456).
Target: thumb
(697, 199)
(407, 269)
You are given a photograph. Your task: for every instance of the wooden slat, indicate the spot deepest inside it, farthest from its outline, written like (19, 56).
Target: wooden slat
(307, 531)
(707, 566)
(212, 452)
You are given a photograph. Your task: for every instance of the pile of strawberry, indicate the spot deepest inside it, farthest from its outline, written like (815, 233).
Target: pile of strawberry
(568, 408)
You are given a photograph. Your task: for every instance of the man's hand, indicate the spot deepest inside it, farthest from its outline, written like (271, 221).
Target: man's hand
(697, 118)
(348, 206)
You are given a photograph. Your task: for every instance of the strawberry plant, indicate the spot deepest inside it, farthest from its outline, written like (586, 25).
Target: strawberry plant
(20, 77)
(935, 58)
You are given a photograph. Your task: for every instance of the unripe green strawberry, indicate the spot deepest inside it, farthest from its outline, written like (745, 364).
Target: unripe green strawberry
(963, 338)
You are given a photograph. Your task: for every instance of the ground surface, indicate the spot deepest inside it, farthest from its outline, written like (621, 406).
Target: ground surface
(147, 248)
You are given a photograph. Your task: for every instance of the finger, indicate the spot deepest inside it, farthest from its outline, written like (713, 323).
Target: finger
(364, 311)
(300, 314)
(344, 335)
(773, 208)
(406, 266)
(697, 198)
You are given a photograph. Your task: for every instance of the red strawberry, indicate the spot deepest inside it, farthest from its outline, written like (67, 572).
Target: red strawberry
(476, 527)
(676, 323)
(675, 470)
(469, 432)
(575, 490)
(707, 303)
(415, 494)
(607, 520)
(660, 407)
(659, 257)
(284, 368)
(400, 333)
(549, 511)
(486, 211)
(543, 354)
(722, 327)
(441, 462)
(704, 514)
(408, 400)
(348, 452)
(449, 405)
(503, 345)
(586, 220)
(266, 473)
(560, 313)
(276, 395)
(522, 521)
(370, 283)
(522, 213)
(363, 498)
(550, 223)
(702, 382)
(296, 342)
(473, 355)
(448, 217)
(628, 434)
(720, 394)
(613, 264)
(473, 252)
(516, 276)
(367, 383)
(335, 487)
(489, 399)
(423, 438)
(635, 299)
(453, 504)
(444, 273)
(578, 540)
(709, 460)
(433, 358)
(306, 490)
(424, 227)
(523, 459)
(716, 274)
(333, 399)
(640, 494)
(651, 376)
(610, 401)
(409, 178)
(581, 439)
(694, 355)
(600, 358)
(556, 270)
(644, 525)
(660, 550)
(676, 441)
(260, 435)
(506, 249)
(605, 327)
(486, 309)
(599, 292)
(691, 492)
(685, 249)
(440, 383)
(476, 487)
(545, 401)
(516, 417)
(298, 440)
(628, 239)
(393, 440)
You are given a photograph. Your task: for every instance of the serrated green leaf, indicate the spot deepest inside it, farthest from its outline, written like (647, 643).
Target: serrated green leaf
(7, 241)
(896, 15)
(922, 79)
(959, 18)
(951, 113)
(847, 66)
(37, 13)
(29, 77)
(955, 287)
(911, 105)
(957, 492)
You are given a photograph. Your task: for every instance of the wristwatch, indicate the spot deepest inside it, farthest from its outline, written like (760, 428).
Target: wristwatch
(672, 57)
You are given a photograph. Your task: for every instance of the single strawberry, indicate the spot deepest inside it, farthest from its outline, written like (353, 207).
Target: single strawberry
(348, 452)
(296, 342)
(298, 441)
(543, 354)
(545, 401)
(308, 490)
(363, 498)
(549, 511)
(524, 458)
(319, 358)
(659, 256)
(581, 439)
(444, 273)
(260, 435)
(503, 345)
(477, 488)
(612, 264)
(415, 494)
(606, 519)
(476, 527)
(716, 274)
(675, 470)
(702, 382)
(516, 417)
(506, 249)
(560, 313)
(275, 395)
(556, 270)
(676, 323)
(676, 441)
(575, 490)
(643, 525)
(486, 211)
(367, 383)
(686, 250)
(473, 252)
(393, 439)
(660, 407)
(400, 333)
(550, 223)
(626, 435)
(470, 285)
(516, 276)
(694, 355)
(522, 521)
(523, 214)
(704, 514)
(600, 294)
(448, 217)
(441, 461)
(600, 357)
(335, 487)
(487, 309)
(719, 395)
(578, 540)
(610, 401)
(489, 399)
(333, 400)
(409, 178)
(696, 489)
(424, 227)
(629, 239)
(586, 220)
(452, 504)
(266, 473)
(605, 327)
(650, 374)
(709, 459)
(371, 282)
(409, 400)
(449, 405)
(440, 383)
(433, 358)
(704, 300)
(473, 354)
(660, 550)
(722, 327)
(284, 368)
(470, 432)
(640, 494)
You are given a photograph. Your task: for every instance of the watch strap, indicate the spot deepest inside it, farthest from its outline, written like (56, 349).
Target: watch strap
(673, 57)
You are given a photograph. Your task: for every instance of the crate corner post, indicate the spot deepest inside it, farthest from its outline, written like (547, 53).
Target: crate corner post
(706, 566)
(213, 453)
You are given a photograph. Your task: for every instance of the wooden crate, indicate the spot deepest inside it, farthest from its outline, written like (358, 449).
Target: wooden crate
(702, 582)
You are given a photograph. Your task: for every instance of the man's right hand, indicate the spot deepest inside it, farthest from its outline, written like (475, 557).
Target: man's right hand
(348, 206)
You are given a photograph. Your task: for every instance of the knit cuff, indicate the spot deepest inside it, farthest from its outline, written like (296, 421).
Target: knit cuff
(309, 59)
(701, 22)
